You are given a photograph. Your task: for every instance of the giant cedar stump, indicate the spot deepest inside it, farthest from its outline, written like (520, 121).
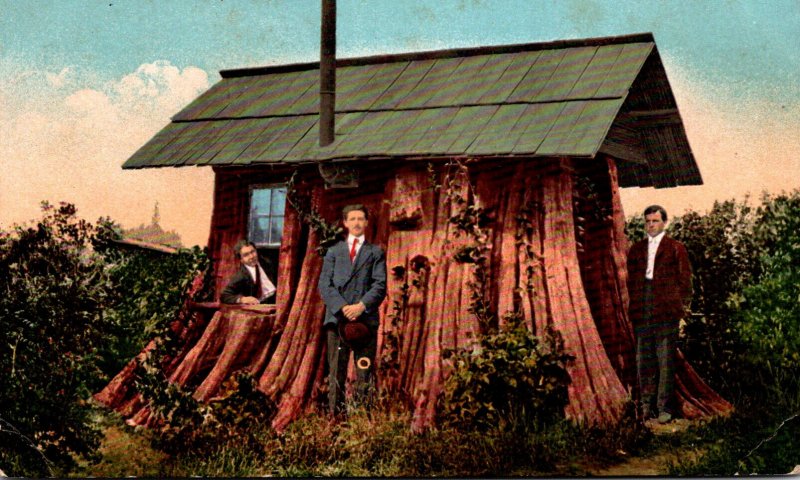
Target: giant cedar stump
(551, 258)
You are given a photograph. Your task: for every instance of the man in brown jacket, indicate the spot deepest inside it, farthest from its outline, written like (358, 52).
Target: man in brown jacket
(660, 288)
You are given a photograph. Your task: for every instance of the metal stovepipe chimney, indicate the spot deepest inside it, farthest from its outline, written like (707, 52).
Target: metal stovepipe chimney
(327, 73)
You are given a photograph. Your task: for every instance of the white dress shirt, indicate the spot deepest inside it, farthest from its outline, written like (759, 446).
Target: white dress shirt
(652, 248)
(350, 239)
(266, 285)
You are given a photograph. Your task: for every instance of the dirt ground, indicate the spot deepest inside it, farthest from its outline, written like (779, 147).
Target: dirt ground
(652, 465)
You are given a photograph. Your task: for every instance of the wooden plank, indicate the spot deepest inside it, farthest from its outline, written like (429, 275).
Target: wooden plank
(419, 122)
(474, 119)
(461, 79)
(273, 96)
(479, 83)
(250, 89)
(214, 106)
(307, 148)
(438, 126)
(306, 102)
(590, 128)
(569, 71)
(358, 81)
(626, 67)
(352, 144)
(363, 97)
(540, 118)
(221, 137)
(511, 77)
(404, 84)
(296, 128)
(379, 142)
(435, 79)
(210, 102)
(561, 129)
(150, 151)
(205, 150)
(272, 128)
(498, 137)
(595, 73)
(538, 76)
(191, 143)
(240, 135)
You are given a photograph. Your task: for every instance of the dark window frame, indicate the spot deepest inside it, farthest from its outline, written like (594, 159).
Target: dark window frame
(253, 216)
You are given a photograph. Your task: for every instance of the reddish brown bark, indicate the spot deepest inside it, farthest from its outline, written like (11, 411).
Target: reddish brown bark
(535, 269)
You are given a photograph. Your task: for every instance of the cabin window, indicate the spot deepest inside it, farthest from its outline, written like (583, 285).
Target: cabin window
(265, 223)
(267, 205)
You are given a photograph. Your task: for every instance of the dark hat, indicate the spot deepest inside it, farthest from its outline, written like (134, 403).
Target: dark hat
(353, 332)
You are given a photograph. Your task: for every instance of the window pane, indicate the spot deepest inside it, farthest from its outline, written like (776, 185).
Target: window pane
(259, 230)
(260, 201)
(278, 201)
(276, 230)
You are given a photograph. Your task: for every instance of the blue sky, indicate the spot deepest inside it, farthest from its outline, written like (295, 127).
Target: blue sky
(97, 79)
(754, 40)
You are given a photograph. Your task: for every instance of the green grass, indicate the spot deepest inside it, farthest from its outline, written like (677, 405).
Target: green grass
(379, 443)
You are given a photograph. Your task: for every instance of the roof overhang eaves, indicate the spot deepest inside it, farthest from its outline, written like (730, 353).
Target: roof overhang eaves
(446, 53)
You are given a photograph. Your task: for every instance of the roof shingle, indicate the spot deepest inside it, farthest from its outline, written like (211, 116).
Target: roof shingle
(555, 99)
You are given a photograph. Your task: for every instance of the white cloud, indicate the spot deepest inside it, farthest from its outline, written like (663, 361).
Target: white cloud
(68, 144)
(159, 86)
(58, 79)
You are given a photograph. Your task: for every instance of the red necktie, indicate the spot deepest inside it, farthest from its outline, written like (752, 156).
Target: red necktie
(353, 249)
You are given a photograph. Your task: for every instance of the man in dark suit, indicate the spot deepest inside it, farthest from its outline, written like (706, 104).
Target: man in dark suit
(250, 285)
(352, 284)
(660, 288)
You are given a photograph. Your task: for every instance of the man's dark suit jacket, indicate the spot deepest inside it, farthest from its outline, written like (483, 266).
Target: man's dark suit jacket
(241, 284)
(343, 282)
(672, 280)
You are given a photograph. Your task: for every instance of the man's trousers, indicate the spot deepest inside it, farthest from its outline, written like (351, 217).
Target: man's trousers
(655, 357)
(338, 360)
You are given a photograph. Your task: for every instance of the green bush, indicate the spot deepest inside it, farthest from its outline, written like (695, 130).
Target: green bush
(54, 290)
(513, 379)
(185, 426)
(768, 310)
(724, 258)
(150, 288)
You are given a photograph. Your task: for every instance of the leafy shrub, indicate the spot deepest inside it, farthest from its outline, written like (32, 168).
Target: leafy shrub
(768, 310)
(151, 289)
(184, 425)
(512, 379)
(723, 254)
(54, 290)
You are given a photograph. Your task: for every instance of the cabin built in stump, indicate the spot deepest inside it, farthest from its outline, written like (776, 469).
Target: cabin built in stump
(539, 137)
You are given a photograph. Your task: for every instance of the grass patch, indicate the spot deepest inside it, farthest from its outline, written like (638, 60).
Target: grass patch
(743, 444)
(378, 443)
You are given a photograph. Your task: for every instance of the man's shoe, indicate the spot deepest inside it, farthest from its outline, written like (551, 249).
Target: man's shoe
(665, 417)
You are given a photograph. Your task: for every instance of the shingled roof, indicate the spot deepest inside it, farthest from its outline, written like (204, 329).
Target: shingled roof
(569, 98)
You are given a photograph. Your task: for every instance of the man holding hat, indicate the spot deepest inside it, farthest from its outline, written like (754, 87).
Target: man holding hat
(352, 284)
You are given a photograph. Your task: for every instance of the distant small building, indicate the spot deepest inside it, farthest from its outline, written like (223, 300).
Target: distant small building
(153, 235)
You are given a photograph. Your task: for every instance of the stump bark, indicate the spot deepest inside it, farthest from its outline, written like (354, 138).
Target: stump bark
(551, 259)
